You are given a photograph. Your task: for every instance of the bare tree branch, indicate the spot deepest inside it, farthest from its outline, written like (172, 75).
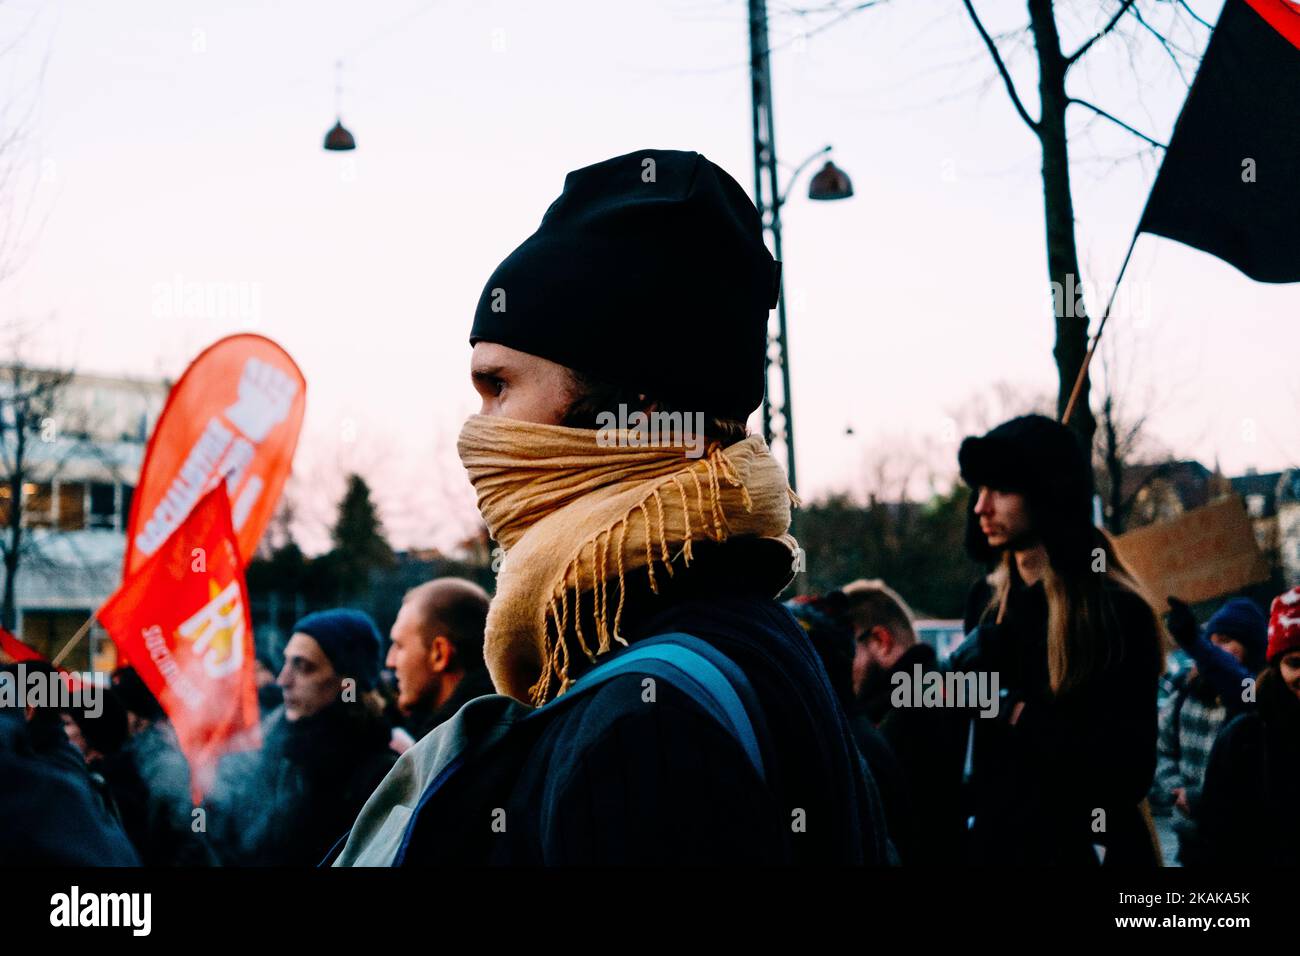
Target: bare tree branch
(1118, 122)
(1002, 67)
(1168, 47)
(1192, 13)
(1110, 25)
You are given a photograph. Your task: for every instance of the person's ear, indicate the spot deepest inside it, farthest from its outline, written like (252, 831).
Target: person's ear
(440, 650)
(882, 636)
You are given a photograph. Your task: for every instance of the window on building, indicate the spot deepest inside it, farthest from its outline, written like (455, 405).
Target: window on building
(48, 631)
(72, 505)
(1255, 506)
(127, 491)
(101, 505)
(38, 504)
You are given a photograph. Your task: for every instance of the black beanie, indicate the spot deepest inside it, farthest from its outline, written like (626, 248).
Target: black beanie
(648, 272)
(1043, 460)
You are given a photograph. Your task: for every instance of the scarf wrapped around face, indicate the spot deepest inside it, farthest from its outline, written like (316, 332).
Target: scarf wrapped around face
(576, 517)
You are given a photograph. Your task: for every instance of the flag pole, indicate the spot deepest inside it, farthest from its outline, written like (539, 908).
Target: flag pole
(1101, 327)
(73, 641)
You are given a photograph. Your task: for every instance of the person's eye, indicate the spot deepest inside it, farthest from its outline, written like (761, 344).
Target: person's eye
(497, 385)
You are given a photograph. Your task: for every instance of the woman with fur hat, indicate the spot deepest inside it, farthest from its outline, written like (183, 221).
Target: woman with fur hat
(1059, 775)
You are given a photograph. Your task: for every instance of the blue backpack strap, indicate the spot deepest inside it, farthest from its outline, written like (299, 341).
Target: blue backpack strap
(685, 662)
(695, 668)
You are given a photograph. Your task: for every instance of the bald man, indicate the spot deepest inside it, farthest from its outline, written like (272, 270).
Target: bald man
(437, 651)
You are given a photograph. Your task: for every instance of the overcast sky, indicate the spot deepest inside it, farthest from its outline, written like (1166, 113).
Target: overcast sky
(175, 142)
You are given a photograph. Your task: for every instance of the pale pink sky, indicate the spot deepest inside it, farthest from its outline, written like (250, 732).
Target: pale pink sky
(183, 140)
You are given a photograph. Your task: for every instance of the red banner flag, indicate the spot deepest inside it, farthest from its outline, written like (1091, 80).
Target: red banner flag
(183, 622)
(234, 414)
(18, 651)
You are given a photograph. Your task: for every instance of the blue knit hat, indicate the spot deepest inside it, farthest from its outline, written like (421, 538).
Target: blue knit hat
(1241, 619)
(349, 639)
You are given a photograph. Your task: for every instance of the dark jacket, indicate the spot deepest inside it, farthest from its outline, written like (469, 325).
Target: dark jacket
(928, 744)
(833, 641)
(475, 683)
(149, 782)
(289, 802)
(1252, 783)
(1070, 774)
(614, 778)
(49, 813)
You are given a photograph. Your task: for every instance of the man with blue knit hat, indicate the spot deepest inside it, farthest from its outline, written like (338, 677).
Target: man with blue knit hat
(325, 749)
(1228, 652)
(327, 649)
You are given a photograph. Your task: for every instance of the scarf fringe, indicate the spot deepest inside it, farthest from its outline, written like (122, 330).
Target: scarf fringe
(555, 623)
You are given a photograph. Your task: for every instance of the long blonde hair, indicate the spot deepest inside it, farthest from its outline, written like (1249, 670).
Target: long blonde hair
(1083, 636)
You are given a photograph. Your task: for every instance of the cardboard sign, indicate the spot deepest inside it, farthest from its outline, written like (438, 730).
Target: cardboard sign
(1202, 554)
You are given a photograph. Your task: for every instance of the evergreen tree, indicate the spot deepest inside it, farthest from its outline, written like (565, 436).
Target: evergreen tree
(360, 545)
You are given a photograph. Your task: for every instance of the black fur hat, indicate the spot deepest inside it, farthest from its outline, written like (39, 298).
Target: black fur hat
(1044, 461)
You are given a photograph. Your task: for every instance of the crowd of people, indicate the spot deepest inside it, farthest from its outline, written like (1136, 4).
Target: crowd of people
(634, 690)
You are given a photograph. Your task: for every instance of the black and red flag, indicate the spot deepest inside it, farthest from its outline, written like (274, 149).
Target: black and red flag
(1230, 181)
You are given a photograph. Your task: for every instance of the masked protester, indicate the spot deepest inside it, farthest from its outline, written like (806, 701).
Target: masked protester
(1060, 772)
(1253, 777)
(681, 714)
(324, 750)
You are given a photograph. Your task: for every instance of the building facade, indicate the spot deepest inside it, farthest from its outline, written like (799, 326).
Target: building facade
(76, 471)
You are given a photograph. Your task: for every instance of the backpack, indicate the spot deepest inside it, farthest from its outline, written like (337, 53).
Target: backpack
(423, 801)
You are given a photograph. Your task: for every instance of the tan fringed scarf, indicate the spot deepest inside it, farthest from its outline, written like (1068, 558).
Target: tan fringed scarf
(575, 517)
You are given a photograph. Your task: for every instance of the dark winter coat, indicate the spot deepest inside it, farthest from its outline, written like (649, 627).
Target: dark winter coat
(289, 802)
(1069, 776)
(929, 745)
(149, 782)
(1252, 783)
(613, 779)
(50, 815)
(422, 719)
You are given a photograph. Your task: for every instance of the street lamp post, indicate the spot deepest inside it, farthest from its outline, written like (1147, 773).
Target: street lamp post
(829, 183)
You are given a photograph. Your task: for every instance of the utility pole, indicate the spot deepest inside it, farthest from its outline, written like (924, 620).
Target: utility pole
(778, 420)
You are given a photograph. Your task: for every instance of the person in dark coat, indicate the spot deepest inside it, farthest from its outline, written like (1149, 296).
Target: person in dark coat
(1060, 774)
(1229, 652)
(149, 779)
(323, 753)
(51, 813)
(437, 651)
(645, 292)
(928, 742)
(824, 620)
(1253, 777)
(1197, 709)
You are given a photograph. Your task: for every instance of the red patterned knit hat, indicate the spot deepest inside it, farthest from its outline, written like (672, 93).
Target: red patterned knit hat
(1284, 624)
